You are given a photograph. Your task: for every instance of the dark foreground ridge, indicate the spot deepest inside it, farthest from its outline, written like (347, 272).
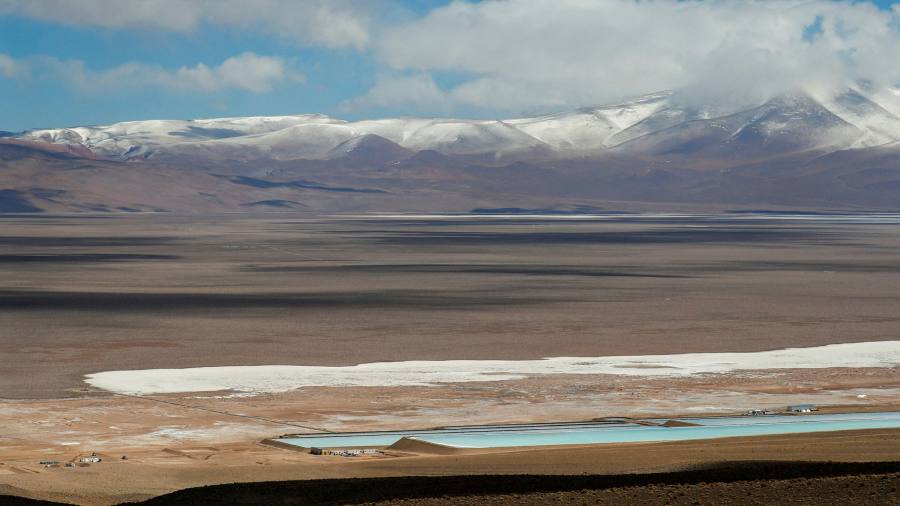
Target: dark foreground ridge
(363, 490)
(732, 482)
(9, 500)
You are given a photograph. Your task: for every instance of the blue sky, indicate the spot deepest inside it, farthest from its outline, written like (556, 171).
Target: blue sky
(65, 63)
(331, 75)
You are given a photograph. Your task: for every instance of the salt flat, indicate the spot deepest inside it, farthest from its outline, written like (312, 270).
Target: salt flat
(85, 294)
(377, 322)
(282, 378)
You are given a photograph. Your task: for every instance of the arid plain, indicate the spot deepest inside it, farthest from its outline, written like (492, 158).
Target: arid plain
(87, 294)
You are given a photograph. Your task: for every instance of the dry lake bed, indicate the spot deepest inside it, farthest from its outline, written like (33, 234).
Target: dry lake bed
(639, 315)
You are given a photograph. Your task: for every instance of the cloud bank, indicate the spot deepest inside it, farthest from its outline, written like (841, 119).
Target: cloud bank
(522, 54)
(330, 23)
(511, 56)
(247, 72)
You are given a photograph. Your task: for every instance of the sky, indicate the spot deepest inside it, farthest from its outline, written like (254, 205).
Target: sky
(85, 62)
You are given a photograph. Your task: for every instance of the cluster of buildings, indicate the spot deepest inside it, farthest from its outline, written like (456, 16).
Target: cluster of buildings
(345, 452)
(796, 408)
(93, 458)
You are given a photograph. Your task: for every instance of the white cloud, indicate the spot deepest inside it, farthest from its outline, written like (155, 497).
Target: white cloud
(332, 23)
(9, 67)
(418, 91)
(516, 55)
(524, 54)
(247, 72)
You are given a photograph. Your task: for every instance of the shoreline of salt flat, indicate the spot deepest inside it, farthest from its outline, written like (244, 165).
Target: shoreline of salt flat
(260, 379)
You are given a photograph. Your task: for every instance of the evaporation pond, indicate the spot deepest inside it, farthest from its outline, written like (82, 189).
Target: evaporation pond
(491, 436)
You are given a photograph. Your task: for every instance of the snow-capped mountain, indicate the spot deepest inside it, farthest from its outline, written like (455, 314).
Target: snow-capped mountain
(837, 152)
(655, 123)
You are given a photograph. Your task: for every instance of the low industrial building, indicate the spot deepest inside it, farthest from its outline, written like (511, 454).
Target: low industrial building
(802, 408)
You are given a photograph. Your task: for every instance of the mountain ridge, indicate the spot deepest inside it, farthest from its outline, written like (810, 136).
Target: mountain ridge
(791, 151)
(577, 133)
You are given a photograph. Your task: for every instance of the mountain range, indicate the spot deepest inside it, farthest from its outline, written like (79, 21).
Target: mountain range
(792, 151)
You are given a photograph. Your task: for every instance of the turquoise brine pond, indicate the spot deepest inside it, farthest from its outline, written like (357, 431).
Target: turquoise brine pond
(493, 436)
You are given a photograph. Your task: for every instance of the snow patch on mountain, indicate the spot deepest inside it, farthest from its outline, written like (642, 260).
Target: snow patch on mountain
(878, 124)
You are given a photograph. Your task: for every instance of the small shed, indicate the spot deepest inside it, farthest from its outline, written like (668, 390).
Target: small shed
(802, 408)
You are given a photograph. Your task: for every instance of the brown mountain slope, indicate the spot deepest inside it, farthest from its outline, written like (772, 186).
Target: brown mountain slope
(41, 177)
